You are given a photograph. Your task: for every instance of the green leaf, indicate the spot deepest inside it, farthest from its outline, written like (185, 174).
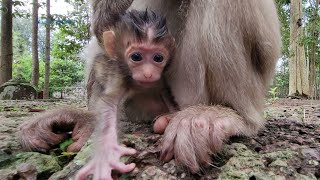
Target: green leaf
(63, 146)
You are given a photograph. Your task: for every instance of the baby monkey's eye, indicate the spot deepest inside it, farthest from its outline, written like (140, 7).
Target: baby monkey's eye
(136, 57)
(158, 58)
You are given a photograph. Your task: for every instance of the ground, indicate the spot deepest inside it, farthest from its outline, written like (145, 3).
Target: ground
(287, 148)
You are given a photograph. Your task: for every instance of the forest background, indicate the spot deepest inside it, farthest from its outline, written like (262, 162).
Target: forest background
(42, 44)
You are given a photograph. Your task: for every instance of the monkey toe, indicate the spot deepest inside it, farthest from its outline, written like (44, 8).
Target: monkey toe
(123, 168)
(192, 136)
(161, 124)
(51, 138)
(75, 147)
(38, 145)
(83, 131)
(167, 154)
(126, 151)
(84, 172)
(101, 165)
(198, 132)
(81, 136)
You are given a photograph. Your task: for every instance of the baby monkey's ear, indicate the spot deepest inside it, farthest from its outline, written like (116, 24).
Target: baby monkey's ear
(109, 39)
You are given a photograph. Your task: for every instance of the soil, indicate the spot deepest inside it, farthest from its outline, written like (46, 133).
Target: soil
(292, 130)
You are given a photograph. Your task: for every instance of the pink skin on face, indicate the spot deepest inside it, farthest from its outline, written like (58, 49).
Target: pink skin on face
(146, 71)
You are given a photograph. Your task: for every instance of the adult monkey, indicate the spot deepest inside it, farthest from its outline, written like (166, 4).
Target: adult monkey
(225, 59)
(226, 55)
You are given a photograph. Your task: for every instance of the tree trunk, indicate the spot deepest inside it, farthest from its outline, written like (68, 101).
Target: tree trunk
(6, 42)
(47, 64)
(298, 79)
(312, 64)
(35, 57)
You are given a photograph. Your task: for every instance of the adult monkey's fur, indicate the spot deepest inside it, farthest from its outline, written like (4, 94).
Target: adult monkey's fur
(226, 56)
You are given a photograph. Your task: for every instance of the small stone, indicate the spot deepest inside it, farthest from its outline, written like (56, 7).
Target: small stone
(27, 171)
(299, 141)
(183, 175)
(135, 171)
(311, 152)
(278, 163)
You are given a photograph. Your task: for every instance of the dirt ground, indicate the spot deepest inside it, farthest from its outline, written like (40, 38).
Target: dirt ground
(287, 148)
(292, 124)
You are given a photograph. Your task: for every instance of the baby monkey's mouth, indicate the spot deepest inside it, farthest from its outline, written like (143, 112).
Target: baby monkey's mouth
(146, 84)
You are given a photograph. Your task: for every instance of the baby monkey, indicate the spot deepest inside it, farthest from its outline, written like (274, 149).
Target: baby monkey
(138, 48)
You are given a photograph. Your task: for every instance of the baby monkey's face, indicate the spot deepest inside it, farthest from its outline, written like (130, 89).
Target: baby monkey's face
(146, 62)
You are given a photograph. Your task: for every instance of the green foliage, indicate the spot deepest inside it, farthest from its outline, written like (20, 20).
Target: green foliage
(281, 80)
(63, 146)
(19, 45)
(73, 32)
(22, 58)
(283, 2)
(66, 46)
(273, 92)
(311, 29)
(65, 73)
(68, 154)
(70, 33)
(284, 18)
(71, 36)
(22, 68)
(19, 8)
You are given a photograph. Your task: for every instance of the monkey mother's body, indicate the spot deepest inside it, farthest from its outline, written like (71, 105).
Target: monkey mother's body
(226, 54)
